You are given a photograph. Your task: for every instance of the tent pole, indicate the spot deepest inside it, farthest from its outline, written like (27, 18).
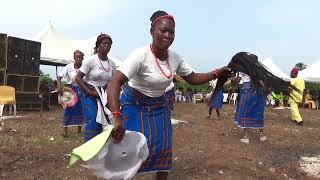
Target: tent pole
(57, 72)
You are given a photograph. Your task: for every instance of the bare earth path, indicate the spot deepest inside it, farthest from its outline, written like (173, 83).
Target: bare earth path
(32, 147)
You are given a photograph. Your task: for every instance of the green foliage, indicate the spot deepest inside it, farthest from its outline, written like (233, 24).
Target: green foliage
(313, 86)
(279, 96)
(205, 88)
(301, 66)
(63, 83)
(199, 88)
(46, 78)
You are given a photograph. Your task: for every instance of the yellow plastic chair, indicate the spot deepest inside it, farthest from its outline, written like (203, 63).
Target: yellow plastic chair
(7, 96)
(309, 102)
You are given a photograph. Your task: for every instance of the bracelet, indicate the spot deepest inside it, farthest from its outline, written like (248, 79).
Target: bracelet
(116, 113)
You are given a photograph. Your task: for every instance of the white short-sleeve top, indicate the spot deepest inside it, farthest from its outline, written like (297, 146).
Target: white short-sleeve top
(69, 73)
(97, 72)
(145, 75)
(244, 78)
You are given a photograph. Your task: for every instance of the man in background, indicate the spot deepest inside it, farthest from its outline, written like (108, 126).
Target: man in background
(296, 96)
(44, 91)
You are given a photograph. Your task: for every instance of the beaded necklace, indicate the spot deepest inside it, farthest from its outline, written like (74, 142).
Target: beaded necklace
(105, 69)
(156, 59)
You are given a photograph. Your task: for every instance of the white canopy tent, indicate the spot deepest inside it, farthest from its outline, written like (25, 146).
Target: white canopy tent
(274, 69)
(57, 49)
(311, 73)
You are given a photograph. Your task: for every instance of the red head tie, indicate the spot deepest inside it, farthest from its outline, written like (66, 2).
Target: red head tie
(161, 17)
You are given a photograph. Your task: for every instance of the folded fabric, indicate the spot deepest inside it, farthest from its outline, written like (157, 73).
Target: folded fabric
(91, 148)
(103, 113)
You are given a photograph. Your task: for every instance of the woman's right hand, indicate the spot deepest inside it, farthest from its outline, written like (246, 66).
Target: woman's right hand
(223, 72)
(118, 130)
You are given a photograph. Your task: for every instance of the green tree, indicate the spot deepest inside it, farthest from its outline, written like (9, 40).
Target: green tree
(313, 86)
(204, 88)
(301, 66)
(46, 78)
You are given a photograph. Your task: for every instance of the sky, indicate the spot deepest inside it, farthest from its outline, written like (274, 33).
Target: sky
(208, 32)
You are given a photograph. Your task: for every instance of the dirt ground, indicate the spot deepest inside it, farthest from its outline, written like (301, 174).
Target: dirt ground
(32, 147)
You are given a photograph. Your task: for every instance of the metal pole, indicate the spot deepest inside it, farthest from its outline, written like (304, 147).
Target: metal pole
(57, 72)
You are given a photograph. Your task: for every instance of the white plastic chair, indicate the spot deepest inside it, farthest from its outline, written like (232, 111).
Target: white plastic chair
(225, 97)
(233, 98)
(197, 97)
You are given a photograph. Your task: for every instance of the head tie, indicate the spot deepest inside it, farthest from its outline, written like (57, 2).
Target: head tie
(161, 17)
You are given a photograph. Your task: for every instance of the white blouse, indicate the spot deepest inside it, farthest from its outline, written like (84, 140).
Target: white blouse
(244, 78)
(145, 75)
(69, 73)
(97, 72)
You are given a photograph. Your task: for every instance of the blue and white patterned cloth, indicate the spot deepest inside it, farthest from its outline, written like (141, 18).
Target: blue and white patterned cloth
(250, 109)
(73, 116)
(152, 117)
